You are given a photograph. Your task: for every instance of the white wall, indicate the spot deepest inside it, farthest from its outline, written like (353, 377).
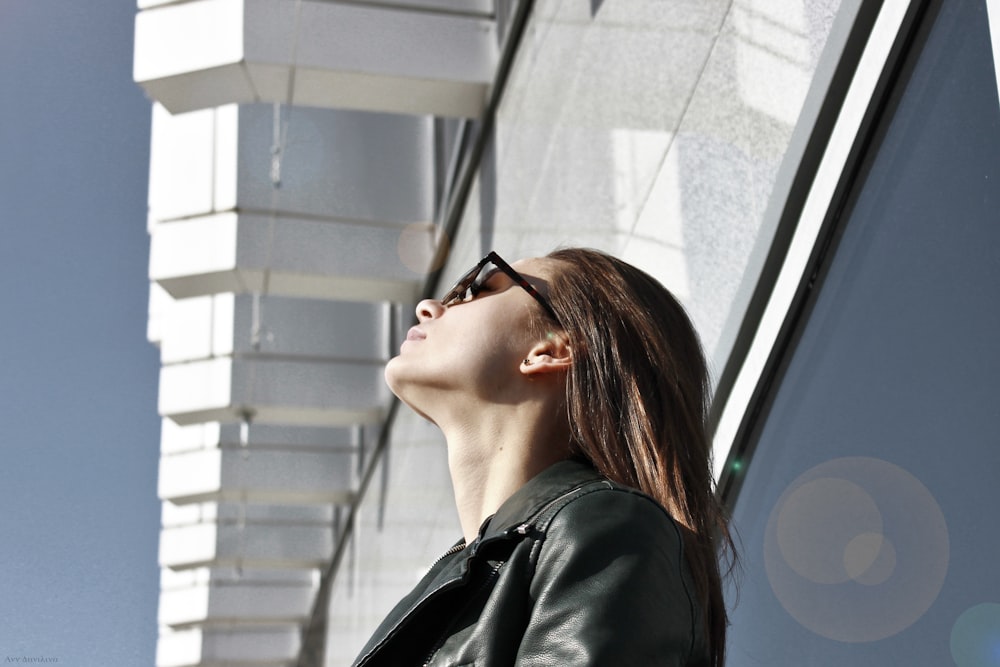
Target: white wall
(653, 130)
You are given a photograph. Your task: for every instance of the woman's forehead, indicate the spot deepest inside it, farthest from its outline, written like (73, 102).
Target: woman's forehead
(538, 267)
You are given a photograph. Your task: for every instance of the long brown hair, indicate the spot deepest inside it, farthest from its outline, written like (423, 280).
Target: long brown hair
(637, 398)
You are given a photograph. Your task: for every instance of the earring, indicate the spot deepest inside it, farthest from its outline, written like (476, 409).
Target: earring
(526, 362)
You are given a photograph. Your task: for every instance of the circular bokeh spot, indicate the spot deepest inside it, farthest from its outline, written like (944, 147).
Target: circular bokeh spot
(856, 549)
(870, 558)
(975, 637)
(817, 524)
(417, 247)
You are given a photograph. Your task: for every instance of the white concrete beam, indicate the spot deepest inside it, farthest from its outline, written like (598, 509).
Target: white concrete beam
(266, 646)
(252, 596)
(224, 325)
(331, 164)
(298, 257)
(245, 509)
(470, 7)
(265, 545)
(274, 391)
(175, 439)
(257, 476)
(207, 53)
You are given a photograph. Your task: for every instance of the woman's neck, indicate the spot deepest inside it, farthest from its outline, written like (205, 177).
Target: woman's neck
(495, 454)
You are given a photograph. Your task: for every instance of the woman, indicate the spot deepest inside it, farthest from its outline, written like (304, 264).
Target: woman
(572, 393)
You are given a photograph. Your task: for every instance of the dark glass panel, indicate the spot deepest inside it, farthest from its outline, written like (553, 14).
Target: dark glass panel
(868, 513)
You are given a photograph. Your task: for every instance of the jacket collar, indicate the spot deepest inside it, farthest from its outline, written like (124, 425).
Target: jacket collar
(536, 494)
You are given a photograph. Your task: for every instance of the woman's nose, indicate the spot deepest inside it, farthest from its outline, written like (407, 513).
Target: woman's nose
(429, 309)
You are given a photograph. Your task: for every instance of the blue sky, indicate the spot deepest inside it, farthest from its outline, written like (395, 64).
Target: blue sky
(79, 433)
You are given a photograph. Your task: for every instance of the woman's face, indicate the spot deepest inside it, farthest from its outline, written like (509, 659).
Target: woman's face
(472, 349)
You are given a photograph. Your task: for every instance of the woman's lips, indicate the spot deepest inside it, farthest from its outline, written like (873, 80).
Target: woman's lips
(415, 334)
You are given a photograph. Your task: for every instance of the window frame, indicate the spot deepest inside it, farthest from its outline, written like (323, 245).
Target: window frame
(851, 92)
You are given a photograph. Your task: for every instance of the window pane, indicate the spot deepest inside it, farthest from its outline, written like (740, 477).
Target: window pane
(868, 513)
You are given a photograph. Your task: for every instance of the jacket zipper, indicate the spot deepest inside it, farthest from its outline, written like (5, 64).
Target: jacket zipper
(419, 603)
(450, 552)
(521, 529)
(495, 570)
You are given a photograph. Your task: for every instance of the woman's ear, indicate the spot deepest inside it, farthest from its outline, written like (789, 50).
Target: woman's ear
(551, 355)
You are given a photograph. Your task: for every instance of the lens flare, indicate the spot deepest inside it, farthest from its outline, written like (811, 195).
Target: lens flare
(817, 524)
(856, 549)
(417, 247)
(975, 637)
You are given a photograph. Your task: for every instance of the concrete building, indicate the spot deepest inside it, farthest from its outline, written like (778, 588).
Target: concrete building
(817, 180)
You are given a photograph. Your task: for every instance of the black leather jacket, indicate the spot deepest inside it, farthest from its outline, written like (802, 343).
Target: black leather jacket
(571, 570)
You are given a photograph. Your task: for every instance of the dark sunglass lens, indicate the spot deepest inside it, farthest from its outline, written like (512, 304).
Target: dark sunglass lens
(458, 292)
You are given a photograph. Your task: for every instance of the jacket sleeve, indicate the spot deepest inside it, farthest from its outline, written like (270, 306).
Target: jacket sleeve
(610, 587)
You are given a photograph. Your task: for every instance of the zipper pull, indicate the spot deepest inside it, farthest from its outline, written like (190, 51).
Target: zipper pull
(522, 529)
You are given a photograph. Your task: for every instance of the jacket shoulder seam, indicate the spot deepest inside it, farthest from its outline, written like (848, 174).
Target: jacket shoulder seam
(541, 525)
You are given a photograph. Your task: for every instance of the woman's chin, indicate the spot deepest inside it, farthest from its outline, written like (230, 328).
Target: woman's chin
(390, 374)
(395, 378)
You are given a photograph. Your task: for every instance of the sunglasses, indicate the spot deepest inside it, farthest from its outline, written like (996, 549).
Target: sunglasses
(470, 284)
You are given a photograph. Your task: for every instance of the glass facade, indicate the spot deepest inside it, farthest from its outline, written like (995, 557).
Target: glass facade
(651, 130)
(663, 132)
(867, 509)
